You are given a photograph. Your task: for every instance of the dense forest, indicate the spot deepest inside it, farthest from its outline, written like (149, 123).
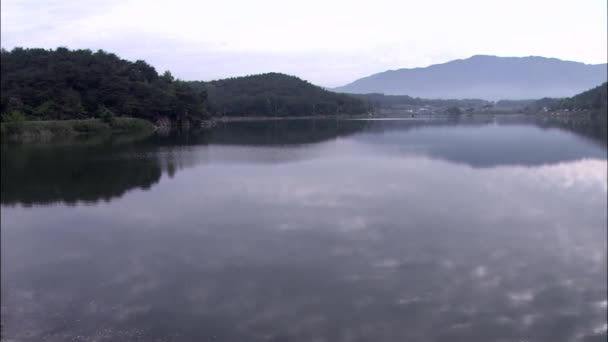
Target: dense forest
(275, 94)
(39, 84)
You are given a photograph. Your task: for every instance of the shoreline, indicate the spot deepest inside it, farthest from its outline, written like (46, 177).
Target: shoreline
(41, 131)
(27, 131)
(407, 116)
(291, 117)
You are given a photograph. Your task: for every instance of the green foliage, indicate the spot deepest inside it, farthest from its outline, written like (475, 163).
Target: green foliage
(87, 126)
(72, 103)
(72, 84)
(106, 115)
(131, 125)
(167, 77)
(14, 116)
(48, 109)
(274, 94)
(36, 129)
(593, 99)
(32, 130)
(12, 123)
(186, 99)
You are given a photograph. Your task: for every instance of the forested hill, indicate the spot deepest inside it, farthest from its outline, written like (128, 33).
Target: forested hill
(275, 94)
(592, 99)
(76, 84)
(595, 99)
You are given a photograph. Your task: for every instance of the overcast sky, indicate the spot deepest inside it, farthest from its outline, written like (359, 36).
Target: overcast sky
(328, 42)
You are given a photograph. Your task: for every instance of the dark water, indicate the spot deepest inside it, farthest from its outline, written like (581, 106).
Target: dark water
(308, 231)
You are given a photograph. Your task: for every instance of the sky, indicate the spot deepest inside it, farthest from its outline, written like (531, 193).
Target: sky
(327, 42)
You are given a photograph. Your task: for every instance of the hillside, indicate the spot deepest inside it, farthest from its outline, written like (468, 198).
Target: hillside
(485, 77)
(39, 84)
(595, 100)
(592, 99)
(274, 94)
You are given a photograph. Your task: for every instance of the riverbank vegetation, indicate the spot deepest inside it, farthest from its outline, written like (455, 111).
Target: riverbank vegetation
(51, 129)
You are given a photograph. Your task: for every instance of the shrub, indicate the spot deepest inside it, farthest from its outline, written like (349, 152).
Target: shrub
(106, 115)
(13, 117)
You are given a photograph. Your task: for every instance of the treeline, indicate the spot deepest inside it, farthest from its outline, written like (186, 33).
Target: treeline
(39, 84)
(595, 99)
(275, 94)
(592, 99)
(376, 100)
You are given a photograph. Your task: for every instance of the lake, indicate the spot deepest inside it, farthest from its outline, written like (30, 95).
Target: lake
(309, 230)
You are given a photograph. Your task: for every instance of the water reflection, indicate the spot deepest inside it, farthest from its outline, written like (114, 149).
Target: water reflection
(489, 145)
(102, 170)
(365, 237)
(87, 171)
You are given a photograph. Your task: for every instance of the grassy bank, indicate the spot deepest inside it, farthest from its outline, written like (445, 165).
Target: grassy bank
(56, 129)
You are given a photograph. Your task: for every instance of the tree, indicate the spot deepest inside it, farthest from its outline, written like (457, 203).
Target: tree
(454, 111)
(48, 109)
(70, 84)
(106, 115)
(167, 77)
(72, 104)
(15, 116)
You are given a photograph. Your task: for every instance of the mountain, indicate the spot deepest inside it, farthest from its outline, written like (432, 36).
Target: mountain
(274, 94)
(486, 77)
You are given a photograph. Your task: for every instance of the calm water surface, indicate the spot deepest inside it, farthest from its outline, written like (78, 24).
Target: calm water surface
(308, 231)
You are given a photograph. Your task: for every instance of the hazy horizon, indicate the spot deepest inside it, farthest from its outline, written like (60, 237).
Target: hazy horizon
(328, 44)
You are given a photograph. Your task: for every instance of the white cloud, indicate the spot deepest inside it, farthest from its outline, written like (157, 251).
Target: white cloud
(326, 42)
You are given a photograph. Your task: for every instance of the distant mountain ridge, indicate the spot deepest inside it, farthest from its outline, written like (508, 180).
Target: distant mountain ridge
(486, 77)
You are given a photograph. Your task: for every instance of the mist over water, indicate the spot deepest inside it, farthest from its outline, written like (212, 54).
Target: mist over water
(309, 231)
